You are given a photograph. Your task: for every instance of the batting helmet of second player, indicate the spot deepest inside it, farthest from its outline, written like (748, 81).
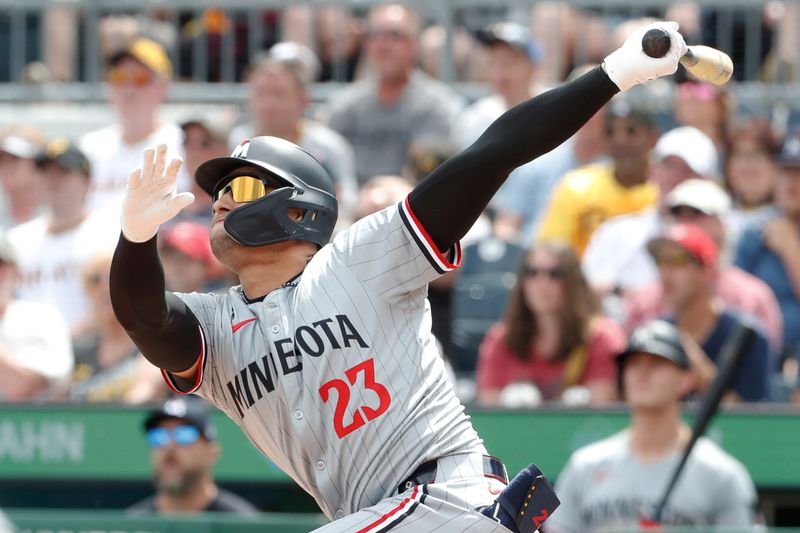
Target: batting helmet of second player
(265, 219)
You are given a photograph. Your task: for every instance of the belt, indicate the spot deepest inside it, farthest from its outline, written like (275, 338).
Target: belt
(426, 473)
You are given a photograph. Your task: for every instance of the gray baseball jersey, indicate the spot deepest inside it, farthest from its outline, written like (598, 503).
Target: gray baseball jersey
(335, 376)
(605, 487)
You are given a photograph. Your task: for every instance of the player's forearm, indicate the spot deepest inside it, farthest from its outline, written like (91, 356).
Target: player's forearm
(162, 326)
(449, 201)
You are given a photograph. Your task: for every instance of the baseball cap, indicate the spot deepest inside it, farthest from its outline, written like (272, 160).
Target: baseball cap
(190, 238)
(514, 35)
(691, 145)
(65, 154)
(193, 412)
(701, 194)
(692, 239)
(789, 155)
(21, 142)
(621, 107)
(303, 56)
(659, 338)
(149, 53)
(218, 126)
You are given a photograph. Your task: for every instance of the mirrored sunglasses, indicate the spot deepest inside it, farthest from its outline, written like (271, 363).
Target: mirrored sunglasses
(139, 78)
(180, 435)
(675, 259)
(246, 188)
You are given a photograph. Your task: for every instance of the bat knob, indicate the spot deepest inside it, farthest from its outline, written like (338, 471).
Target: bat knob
(656, 42)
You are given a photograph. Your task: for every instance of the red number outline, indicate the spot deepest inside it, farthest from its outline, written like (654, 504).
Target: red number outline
(366, 367)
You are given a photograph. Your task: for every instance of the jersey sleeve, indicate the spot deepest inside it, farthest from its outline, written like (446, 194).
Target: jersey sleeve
(736, 496)
(391, 253)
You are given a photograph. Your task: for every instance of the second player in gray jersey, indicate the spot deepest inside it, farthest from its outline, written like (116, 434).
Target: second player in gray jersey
(323, 355)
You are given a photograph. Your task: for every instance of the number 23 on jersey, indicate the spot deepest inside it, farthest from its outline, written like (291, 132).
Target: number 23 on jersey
(345, 388)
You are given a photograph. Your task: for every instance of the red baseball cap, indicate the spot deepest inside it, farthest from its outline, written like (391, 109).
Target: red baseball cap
(692, 239)
(190, 238)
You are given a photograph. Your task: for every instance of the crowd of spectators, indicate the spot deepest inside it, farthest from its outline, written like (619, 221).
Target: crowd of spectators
(691, 217)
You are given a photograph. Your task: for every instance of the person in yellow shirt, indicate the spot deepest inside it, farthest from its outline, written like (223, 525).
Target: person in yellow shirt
(588, 195)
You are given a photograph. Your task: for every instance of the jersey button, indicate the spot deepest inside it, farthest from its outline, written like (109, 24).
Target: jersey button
(298, 414)
(339, 513)
(319, 465)
(275, 328)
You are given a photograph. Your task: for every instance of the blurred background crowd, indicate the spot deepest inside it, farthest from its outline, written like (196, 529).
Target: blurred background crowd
(679, 200)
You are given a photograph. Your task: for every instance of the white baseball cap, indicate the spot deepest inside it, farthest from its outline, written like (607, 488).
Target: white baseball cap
(701, 194)
(691, 145)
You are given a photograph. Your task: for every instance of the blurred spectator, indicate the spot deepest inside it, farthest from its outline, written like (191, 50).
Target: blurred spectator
(106, 360)
(706, 107)
(53, 246)
(189, 264)
(703, 203)
(522, 200)
(616, 258)
(750, 173)
(688, 265)
(770, 249)
(552, 335)
(379, 193)
(138, 77)
(383, 115)
(183, 451)
(616, 483)
(277, 100)
(431, 42)
(19, 177)
(35, 351)
(512, 58)
(587, 196)
(204, 138)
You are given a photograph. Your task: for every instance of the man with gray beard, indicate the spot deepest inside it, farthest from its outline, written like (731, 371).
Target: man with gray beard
(183, 448)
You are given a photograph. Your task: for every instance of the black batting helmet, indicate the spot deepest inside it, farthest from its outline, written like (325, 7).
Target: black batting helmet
(266, 220)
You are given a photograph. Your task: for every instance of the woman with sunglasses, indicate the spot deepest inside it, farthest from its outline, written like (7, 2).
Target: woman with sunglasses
(552, 335)
(324, 354)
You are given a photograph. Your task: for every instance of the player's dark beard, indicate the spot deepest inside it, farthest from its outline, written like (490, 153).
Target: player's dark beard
(179, 486)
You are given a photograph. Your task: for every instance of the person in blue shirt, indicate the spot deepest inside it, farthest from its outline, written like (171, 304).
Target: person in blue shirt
(770, 249)
(687, 261)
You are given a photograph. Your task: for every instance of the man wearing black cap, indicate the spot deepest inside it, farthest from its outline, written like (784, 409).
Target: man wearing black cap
(184, 450)
(53, 247)
(617, 482)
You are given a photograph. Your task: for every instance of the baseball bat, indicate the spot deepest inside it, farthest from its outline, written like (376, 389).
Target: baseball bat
(705, 63)
(731, 354)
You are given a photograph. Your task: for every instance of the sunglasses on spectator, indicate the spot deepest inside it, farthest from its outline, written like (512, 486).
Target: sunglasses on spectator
(394, 34)
(684, 211)
(552, 273)
(675, 259)
(180, 435)
(247, 188)
(139, 78)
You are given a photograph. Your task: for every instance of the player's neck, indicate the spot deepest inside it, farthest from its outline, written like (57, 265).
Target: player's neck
(656, 433)
(279, 264)
(197, 499)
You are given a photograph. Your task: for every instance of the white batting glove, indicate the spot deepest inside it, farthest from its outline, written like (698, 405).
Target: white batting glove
(629, 65)
(151, 198)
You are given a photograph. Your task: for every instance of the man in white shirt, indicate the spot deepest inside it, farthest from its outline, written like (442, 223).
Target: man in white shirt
(138, 78)
(53, 247)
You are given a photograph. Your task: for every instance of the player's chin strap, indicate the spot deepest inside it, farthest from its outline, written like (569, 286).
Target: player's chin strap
(525, 503)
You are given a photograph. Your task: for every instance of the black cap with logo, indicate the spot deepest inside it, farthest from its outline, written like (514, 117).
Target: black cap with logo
(65, 154)
(193, 412)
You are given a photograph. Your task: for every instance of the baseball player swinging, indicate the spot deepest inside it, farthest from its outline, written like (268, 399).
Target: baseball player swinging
(323, 355)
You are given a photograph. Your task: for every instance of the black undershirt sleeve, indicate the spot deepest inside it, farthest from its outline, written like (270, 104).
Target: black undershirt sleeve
(164, 329)
(450, 200)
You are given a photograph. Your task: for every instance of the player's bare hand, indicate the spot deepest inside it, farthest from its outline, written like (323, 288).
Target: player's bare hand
(629, 65)
(151, 198)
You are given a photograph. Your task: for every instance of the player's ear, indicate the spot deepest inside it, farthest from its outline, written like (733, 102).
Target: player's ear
(688, 383)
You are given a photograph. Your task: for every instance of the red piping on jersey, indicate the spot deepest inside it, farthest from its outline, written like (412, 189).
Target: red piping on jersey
(394, 511)
(199, 379)
(238, 325)
(431, 245)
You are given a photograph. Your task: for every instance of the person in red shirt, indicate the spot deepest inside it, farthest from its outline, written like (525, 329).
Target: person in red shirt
(552, 336)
